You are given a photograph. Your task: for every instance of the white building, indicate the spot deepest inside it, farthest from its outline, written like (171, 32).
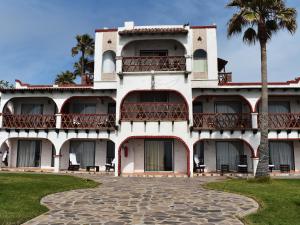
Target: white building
(160, 99)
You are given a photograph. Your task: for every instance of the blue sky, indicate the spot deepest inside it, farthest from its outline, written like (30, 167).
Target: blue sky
(37, 35)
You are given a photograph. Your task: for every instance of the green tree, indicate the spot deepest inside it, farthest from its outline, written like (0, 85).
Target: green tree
(85, 47)
(6, 84)
(66, 77)
(258, 20)
(88, 65)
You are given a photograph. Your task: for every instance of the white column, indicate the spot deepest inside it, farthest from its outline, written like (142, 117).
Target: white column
(56, 163)
(191, 162)
(254, 120)
(116, 159)
(1, 119)
(58, 121)
(255, 163)
(118, 64)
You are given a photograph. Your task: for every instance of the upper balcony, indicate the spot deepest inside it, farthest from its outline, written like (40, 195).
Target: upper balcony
(153, 55)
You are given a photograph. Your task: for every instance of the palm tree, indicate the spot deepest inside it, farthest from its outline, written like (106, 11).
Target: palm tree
(88, 65)
(85, 47)
(66, 77)
(258, 20)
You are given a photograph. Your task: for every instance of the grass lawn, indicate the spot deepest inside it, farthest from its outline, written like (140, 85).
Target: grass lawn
(20, 194)
(279, 200)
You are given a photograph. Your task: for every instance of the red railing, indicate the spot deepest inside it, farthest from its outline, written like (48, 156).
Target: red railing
(29, 121)
(224, 77)
(156, 63)
(222, 121)
(154, 111)
(283, 120)
(88, 121)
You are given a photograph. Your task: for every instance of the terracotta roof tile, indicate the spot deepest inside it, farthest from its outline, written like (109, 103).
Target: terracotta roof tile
(154, 31)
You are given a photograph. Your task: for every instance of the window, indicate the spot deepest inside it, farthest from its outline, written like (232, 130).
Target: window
(154, 97)
(153, 52)
(281, 153)
(199, 152)
(110, 151)
(29, 153)
(109, 62)
(200, 61)
(228, 153)
(81, 108)
(197, 107)
(53, 156)
(31, 109)
(84, 151)
(228, 107)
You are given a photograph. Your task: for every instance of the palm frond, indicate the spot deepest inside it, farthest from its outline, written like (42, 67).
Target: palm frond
(250, 36)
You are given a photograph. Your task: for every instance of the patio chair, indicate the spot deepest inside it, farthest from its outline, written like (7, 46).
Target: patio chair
(243, 165)
(73, 164)
(5, 158)
(199, 164)
(109, 166)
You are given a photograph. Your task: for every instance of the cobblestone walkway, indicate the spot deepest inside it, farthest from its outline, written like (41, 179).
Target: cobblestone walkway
(145, 201)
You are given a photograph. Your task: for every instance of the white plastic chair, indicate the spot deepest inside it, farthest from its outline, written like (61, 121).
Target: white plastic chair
(73, 159)
(4, 156)
(111, 165)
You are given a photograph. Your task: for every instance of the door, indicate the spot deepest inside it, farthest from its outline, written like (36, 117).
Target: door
(228, 153)
(110, 152)
(281, 153)
(84, 151)
(158, 155)
(29, 153)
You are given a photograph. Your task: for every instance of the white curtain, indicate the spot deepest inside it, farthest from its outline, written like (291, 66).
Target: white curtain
(281, 153)
(228, 153)
(84, 151)
(199, 151)
(279, 107)
(228, 107)
(109, 62)
(82, 108)
(28, 153)
(31, 109)
(200, 61)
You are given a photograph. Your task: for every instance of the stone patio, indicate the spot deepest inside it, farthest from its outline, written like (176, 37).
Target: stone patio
(145, 201)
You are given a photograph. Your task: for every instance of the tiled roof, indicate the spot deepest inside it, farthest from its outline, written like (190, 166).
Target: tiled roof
(154, 31)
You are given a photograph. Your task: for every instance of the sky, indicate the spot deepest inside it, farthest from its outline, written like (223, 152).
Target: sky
(36, 36)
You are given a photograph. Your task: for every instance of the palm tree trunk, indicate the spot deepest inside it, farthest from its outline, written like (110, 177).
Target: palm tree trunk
(263, 149)
(82, 64)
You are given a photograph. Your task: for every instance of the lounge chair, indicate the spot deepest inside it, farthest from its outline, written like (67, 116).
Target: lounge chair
(199, 165)
(73, 164)
(5, 158)
(109, 166)
(243, 165)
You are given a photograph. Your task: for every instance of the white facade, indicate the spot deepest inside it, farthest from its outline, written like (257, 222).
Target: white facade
(145, 82)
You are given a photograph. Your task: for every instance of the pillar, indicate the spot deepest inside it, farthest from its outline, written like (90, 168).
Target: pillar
(254, 117)
(56, 163)
(255, 163)
(58, 121)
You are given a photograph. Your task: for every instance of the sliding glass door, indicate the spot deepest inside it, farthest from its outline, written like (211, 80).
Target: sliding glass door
(29, 153)
(158, 155)
(84, 151)
(228, 153)
(281, 153)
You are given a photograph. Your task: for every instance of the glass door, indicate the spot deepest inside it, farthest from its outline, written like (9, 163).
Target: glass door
(158, 155)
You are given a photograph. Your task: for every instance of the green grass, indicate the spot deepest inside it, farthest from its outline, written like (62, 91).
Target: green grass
(20, 194)
(279, 199)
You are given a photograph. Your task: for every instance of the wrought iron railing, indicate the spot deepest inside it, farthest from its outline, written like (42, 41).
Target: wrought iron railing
(156, 63)
(283, 120)
(88, 121)
(222, 121)
(29, 121)
(224, 77)
(154, 111)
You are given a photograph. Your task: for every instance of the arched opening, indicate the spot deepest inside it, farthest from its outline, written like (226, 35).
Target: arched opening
(216, 112)
(28, 153)
(200, 61)
(109, 62)
(154, 105)
(87, 153)
(93, 112)
(30, 112)
(157, 55)
(153, 155)
(211, 155)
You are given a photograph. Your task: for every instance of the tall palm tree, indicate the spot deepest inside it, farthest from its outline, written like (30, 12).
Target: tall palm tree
(258, 20)
(88, 65)
(66, 77)
(84, 47)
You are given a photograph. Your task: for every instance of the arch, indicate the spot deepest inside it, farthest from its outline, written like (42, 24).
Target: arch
(125, 46)
(253, 155)
(109, 62)
(240, 96)
(5, 107)
(156, 90)
(270, 96)
(200, 61)
(84, 97)
(154, 137)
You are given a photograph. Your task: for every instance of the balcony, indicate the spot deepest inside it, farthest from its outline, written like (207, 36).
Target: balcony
(224, 77)
(88, 121)
(29, 121)
(222, 121)
(154, 111)
(155, 63)
(278, 121)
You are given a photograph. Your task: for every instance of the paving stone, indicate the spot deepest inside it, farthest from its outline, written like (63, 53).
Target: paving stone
(140, 200)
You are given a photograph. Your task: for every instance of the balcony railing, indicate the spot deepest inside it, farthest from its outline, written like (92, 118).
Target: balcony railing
(29, 121)
(224, 77)
(222, 121)
(154, 111)
(156, 63)
(283, 120)
(88, 121)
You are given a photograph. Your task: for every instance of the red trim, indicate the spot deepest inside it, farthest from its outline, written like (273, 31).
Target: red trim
(204, 27)
(84, 97)
(106, 30)
(246, 100)
(48, 86)
(154, 137)
(229, 139)
(295, 81)
(156, 90)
